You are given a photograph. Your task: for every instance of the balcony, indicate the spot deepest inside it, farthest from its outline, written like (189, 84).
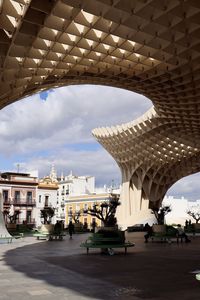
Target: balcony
(24, 202)
(28, 221)
(62, 216)
(7, 201)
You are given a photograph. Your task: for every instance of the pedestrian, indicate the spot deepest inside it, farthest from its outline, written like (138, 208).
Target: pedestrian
(149, 232)
(71, 229)
(57, 228)
(186, 224)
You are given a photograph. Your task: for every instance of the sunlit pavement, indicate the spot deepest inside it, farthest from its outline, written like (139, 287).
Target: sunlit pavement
(31, 269)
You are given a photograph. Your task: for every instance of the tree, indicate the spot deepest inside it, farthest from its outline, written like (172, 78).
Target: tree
(194, 212)
(105, 211)
(12, 217)
(47, 214)
(75, 216)
(161, 212)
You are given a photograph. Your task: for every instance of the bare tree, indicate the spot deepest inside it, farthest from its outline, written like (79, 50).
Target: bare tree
(194, 212)
(12, 217)
(47, 214)
(105, 211)
(75, 216)
(161, 212)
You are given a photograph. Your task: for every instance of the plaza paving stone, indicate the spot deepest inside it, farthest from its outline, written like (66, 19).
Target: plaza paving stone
(32, 269)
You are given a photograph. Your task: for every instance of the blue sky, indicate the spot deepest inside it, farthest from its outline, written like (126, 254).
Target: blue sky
(55, 127)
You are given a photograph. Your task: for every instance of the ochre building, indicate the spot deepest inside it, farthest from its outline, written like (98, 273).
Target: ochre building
(78, 204)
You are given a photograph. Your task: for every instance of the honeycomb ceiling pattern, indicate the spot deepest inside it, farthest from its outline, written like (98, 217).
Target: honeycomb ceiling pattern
(150, 47)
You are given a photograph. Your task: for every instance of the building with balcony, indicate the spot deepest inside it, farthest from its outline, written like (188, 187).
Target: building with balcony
(72, 186)
(19, 196)
(47, 196)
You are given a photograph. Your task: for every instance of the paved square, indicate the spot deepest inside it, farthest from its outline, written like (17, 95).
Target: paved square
(31, 269)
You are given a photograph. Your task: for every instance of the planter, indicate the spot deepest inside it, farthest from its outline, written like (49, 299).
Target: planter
(159, 228)
(47, 228)
(78, 227)
(11, 227)
(196, 226)
(107, 228)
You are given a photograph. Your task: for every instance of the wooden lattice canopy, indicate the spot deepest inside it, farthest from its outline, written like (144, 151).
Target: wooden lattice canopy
(150, 47)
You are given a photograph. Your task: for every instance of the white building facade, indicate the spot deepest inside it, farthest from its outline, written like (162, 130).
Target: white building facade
(179, 207)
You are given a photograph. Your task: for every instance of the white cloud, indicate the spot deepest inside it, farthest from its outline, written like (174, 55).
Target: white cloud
(41, 132)
(187, 186)
(95, 163)
(67, 117)
(38, 133)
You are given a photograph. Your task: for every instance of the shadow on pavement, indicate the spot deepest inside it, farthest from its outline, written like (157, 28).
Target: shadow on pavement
(150, 271)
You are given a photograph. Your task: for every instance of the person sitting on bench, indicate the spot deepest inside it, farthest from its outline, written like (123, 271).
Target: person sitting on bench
(182, 234)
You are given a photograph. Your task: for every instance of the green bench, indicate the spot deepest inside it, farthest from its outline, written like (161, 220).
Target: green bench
(106, 243)
(167, 236)
(56, 236)
(18, 235)
(49, 236)
(41, 235)
(6, 238)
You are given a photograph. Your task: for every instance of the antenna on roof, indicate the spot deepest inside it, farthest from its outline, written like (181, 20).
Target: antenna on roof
(18, 165)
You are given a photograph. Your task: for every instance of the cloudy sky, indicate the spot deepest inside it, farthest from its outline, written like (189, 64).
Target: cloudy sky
(55, 128)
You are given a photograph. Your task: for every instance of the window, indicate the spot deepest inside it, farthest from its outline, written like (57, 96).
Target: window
(28, 216)
(46, 201)
(5, 195)
(85, 207)
(17, 196)
(40, 198)
(29, 196)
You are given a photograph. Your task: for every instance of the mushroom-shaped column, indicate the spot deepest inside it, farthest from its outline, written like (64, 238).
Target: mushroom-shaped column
(152, 153)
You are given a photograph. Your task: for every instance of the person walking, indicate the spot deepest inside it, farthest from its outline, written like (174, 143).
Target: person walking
(149, 232)
(71, 229)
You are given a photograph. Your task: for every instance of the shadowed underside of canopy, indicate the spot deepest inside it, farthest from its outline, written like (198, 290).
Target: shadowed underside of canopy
(146, 46)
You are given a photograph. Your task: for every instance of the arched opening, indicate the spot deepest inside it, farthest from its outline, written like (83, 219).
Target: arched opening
(182, 197)
(55, 127)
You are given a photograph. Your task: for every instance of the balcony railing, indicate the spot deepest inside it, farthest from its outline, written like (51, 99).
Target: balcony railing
(19, 202)
(24, 202)
(25, 221)
(62, 216)
(6, 201)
